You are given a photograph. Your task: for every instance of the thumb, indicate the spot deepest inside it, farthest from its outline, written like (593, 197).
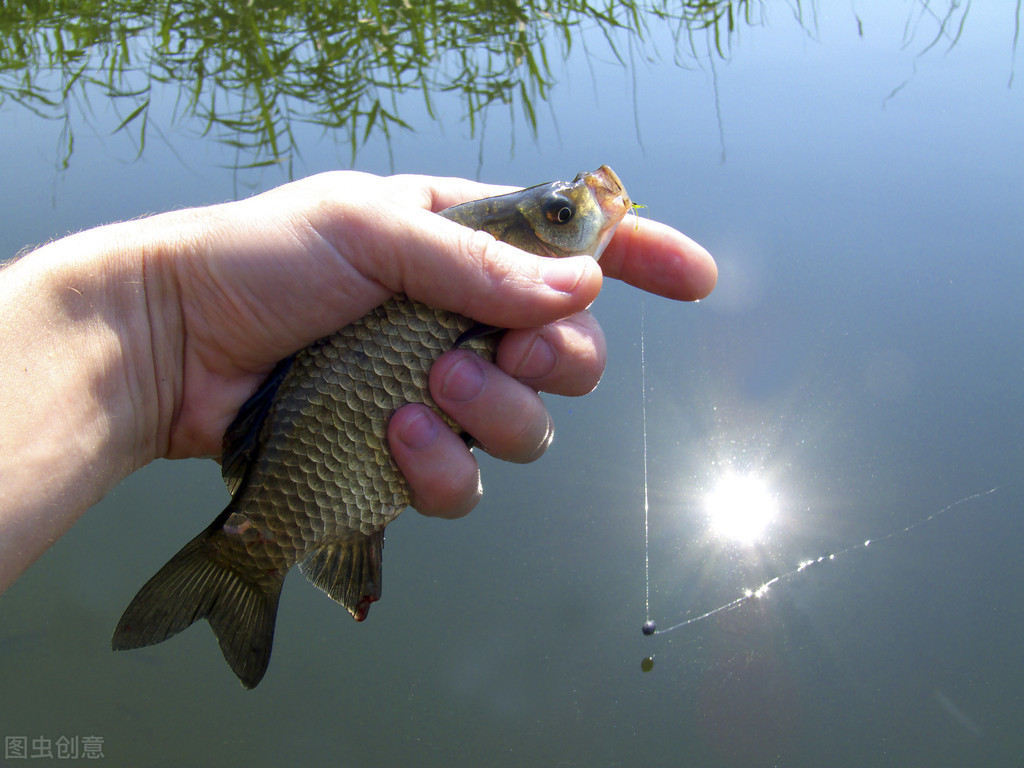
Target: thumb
(446, 265)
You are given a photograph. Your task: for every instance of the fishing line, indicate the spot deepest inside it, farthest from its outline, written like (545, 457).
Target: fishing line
(750, 594)
(649, 627)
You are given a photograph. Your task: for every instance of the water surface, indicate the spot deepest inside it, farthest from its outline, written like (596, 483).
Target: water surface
(863, 355)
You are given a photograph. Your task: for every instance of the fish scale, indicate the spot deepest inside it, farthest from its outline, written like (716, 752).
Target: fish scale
(347, 425)
(306, 459)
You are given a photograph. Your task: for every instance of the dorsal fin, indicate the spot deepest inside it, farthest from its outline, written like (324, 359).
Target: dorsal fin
(241, 438)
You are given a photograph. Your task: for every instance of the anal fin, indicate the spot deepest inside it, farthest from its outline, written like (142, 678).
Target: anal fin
(348, 570)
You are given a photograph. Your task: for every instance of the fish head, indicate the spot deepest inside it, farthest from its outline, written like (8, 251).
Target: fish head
(560, 218)
(576, 217)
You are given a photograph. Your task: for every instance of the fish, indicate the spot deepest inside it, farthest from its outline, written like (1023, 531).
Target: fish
(306, 459)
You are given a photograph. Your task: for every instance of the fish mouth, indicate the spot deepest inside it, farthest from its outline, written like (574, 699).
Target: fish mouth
(613, 199)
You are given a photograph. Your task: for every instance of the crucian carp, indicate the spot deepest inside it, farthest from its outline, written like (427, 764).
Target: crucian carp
(306, 459)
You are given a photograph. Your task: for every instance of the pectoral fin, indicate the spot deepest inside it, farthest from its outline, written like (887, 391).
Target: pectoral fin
(476, 331)
(348, 570)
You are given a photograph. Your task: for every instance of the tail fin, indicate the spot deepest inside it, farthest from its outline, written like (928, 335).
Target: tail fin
(191, 586)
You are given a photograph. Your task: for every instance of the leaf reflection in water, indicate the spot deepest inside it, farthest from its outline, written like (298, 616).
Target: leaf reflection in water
(249, 70)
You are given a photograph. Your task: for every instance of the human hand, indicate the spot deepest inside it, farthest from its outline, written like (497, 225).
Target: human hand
(141, 340)
(260, 278)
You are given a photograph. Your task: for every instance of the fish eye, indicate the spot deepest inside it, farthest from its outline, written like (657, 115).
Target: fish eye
(559, 209)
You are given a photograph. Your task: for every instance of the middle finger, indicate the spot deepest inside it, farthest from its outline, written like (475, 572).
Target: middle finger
(565, 358)
(505, 416)
(499, 405)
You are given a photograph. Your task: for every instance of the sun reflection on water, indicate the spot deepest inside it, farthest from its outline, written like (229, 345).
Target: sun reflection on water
(740, 507)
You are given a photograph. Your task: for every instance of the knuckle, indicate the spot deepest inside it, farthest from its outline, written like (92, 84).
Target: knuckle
(588, 353)
(532, 435)
(492, 265)
(455, 494)
(581, 355)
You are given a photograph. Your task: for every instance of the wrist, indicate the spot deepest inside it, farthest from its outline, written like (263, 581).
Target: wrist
(77, 413)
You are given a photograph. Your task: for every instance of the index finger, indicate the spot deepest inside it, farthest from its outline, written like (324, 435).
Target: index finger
(659, 259)
(645, 253)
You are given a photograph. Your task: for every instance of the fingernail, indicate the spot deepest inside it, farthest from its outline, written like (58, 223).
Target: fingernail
(419, 431)
(464, 380)
(564, 274)
(539, 360)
